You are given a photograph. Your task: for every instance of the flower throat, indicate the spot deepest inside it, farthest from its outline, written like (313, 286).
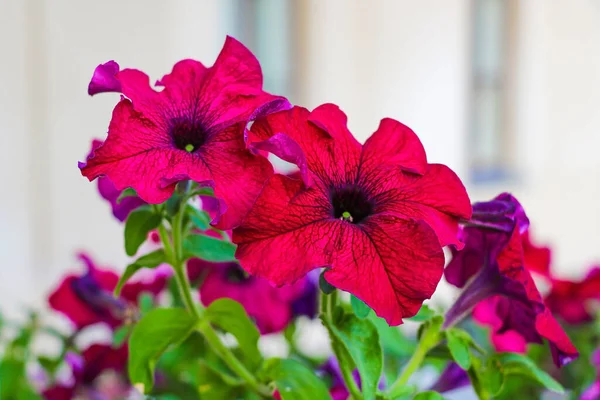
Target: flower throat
(350, 204)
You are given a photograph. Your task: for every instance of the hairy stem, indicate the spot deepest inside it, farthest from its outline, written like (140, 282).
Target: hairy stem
(328, 303)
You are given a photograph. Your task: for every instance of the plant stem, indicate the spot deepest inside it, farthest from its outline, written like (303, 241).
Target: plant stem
(230, 359)
(328, 303)
(176, 259)
(429, 340)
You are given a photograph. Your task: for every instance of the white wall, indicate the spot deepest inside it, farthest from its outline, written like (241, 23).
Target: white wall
(403, 59)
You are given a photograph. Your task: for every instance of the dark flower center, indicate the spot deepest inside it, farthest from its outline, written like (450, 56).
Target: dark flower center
(187, 134)
(351, 204)
(235, 274)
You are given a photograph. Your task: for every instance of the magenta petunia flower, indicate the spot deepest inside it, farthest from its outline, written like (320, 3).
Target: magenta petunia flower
(110, 193)
(272, 308)
(452, 377)
(192, 129)
(95, 361)
(571, 300)
(88, 299)
(592, 392)
(373, 214)
(512, 301)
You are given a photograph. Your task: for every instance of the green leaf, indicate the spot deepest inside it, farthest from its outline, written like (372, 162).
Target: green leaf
(208, 248)
(359, 307)
(150, 260)
(129, 192)
(392, 338)
(146, 302)
(199, 218)
(120, 335)
(325, 286)
(155, 332)
(490, 378)
(518, 364)
(231, 317)
(424, 314)
(428, 395)
(459, 349)
(293, 380)
(138, 224)
(361, 340)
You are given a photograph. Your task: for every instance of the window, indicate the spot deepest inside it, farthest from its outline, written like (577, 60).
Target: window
(490, 129)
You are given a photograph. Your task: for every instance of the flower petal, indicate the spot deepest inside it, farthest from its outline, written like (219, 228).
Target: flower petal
(563, 351)
(377, 265)
(395, 144)
(238, 175)
(438, 197)
(329, 159)
(286, 233)
(136, 154)
(104, 79)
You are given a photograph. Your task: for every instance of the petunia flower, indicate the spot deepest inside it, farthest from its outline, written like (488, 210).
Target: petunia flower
(110, 193)
(571, 299)
(193, 129)
(88, 299)
(99, 373)
(452, 377)
(272, 308)
(537, 258)
(512, 301)
(376, 215)
(593, 391)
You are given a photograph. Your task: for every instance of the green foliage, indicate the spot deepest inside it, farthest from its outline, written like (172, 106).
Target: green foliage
(360, 340)
(150, 260)
(231, 317)
(209, 248)
(200, 219)
(325, 286)
(428, 395)
(459, 348)
(359, 307)
(424, 314)
(293, 380)
(139, 223)
(521, 365)
(153, 334)
(129, 192)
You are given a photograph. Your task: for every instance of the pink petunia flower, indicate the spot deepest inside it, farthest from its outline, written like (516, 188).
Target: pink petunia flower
(272, 308)
(110, 193)
(571, 300)
(88, 299)
(192, 129)
(99, 373)
(512, 305)
(376, 215)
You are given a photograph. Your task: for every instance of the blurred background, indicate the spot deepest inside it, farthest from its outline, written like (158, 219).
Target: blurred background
(506, 92)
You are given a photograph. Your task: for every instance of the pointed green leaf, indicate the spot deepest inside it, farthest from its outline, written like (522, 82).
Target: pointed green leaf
(518, 364)
(293, 380)
(325, 286)
(231, 317)
(152, 335)
(424, 314)
(150, 260)
(138, 224)
(361, 340)
(459, 349)
(199, 218)
(429, 395)
(359, 307)
(120, 335)
(129, 192)
(209, 248)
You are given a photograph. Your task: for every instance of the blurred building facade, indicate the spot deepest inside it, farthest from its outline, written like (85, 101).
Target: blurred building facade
(507, 93)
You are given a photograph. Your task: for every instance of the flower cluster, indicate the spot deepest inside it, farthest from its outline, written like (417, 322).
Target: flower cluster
(185, 166)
